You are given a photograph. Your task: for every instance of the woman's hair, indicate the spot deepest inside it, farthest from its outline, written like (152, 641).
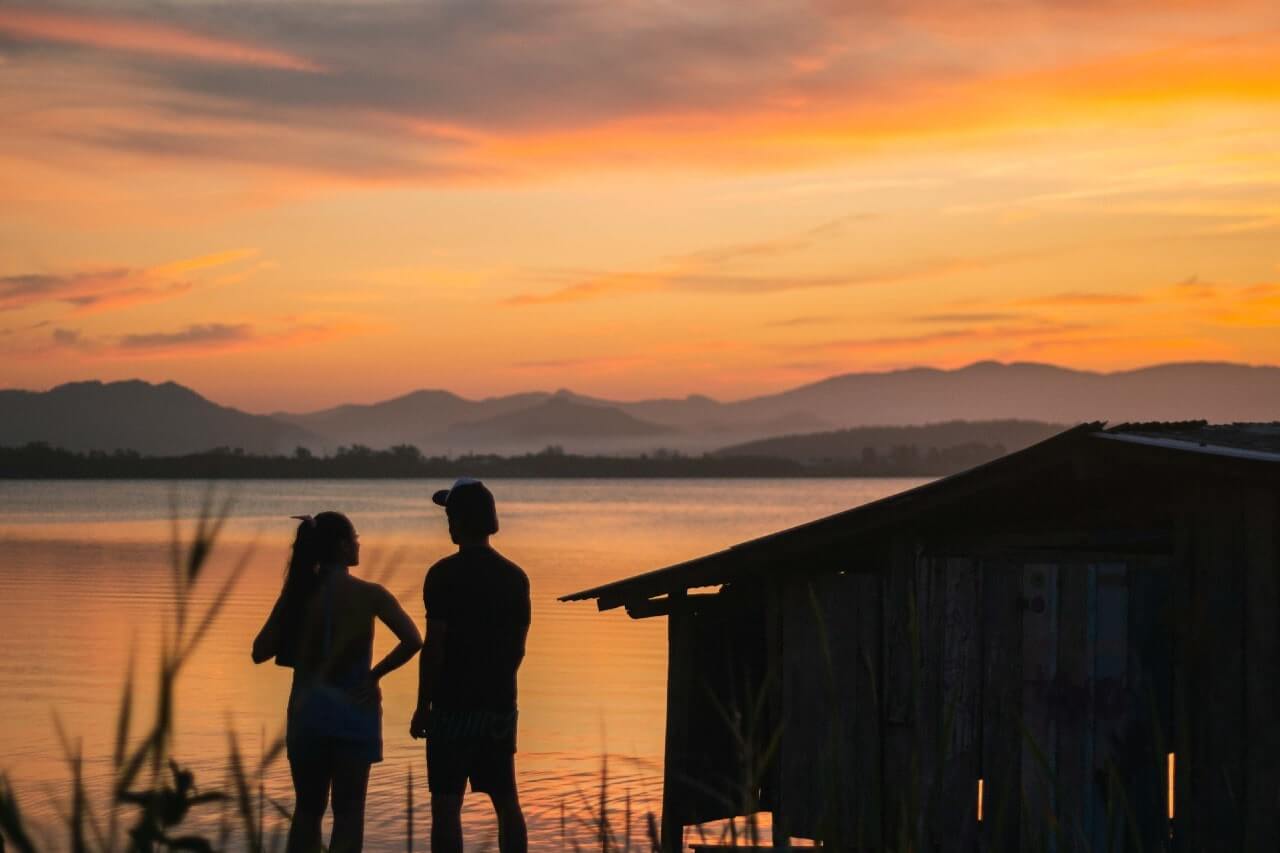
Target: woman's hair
(316, 543)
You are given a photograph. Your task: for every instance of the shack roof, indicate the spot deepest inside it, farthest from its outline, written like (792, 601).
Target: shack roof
(1240, 443)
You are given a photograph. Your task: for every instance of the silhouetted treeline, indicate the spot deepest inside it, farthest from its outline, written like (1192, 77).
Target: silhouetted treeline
(857, 442)
(40, 461)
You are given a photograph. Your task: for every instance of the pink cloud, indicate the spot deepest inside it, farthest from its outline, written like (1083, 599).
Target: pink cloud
(137, 36)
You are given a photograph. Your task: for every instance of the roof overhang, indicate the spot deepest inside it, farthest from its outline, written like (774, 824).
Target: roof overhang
(803, 541)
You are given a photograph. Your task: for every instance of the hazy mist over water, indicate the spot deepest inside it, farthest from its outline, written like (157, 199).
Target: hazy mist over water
(85, 578)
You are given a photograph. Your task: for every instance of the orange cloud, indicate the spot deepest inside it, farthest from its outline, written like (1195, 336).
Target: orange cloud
(695, 279)
(86, 291)
(98, 289)
(1256, 306)
(1080, 297)
(843, 121)
(197, 339)
(986, 335)
(135, 36)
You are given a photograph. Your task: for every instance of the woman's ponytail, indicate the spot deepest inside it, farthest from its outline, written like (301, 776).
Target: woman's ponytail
(315, 544)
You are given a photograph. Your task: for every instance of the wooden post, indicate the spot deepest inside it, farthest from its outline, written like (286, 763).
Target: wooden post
(927, 684)
(900, 783)
(1262, 679)
(1110, 668)
(957, 825)
(1074, 701)
(1039, 670)
(1217, 702)
(1151, 731)
(1001, 766)
(779, 832)
(679, 685)
(868, 730)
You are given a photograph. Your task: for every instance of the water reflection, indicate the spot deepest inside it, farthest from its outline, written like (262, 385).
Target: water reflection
(86, 571)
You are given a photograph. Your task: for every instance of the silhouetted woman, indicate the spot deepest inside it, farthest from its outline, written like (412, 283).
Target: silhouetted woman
(322, 626)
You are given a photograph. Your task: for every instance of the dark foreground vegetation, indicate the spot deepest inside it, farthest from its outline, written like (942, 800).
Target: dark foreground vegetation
(40, 461)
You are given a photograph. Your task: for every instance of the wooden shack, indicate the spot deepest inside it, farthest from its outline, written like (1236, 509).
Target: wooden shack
(1074, 647)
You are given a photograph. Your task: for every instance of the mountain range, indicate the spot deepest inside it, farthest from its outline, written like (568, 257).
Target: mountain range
(168, 418)
(160, 420)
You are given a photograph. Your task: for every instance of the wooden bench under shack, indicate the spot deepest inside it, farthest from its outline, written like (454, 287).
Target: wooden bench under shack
(1074, 647)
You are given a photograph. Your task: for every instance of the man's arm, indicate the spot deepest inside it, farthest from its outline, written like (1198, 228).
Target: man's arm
(430, 664)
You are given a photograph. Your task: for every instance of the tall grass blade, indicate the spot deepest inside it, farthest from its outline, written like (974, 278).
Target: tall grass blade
(244, 800)
(626, 818)
(80, 817)
(12, 826)
(408, 819)
(214, 609)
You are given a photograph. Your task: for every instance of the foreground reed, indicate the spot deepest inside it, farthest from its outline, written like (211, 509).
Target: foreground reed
(151, 794)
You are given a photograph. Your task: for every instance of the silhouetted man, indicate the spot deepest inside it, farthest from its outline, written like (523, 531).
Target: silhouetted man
(477, 619)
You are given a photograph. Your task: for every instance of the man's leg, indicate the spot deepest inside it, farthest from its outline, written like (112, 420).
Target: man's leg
(495, 774)
(513, 836)
(446, 823)
(447, 780)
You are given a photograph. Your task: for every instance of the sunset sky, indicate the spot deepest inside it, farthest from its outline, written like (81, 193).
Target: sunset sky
(287, 204)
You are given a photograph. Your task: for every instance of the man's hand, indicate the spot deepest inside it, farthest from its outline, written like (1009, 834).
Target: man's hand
(418, 726)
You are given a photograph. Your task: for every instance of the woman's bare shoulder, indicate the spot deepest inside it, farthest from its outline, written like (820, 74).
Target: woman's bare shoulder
(367, 590)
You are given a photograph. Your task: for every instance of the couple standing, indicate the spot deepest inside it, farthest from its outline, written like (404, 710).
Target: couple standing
(477, 604)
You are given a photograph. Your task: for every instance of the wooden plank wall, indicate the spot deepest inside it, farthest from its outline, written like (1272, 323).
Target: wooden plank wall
(1039, 673)
(817, 703)
(1113, 705)
(956, 825)
(1002, 738)
(901, 796)
(1261, 555)
(1063, 685)
(1073, 701)
(1227, 675)
(1210, 671)
(1149, 735)
(830, 755)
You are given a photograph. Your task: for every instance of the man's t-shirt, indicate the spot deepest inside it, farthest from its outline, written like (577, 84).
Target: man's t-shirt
(484, 600)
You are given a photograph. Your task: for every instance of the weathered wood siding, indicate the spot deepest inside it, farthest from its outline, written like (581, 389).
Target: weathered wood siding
(1061, 679)
(1056, 682)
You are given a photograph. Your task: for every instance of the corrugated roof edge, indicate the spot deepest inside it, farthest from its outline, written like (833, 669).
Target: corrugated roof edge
(1192, 446)
(978, 472)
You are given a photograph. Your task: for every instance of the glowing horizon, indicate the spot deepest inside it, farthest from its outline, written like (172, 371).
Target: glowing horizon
(296, 208)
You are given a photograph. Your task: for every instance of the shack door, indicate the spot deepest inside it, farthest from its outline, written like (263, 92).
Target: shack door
(1095, 707)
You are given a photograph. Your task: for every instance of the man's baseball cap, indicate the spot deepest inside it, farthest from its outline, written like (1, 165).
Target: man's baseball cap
(471, 503)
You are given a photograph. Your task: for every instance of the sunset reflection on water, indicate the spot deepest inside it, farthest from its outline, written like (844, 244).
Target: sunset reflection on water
(86, 579)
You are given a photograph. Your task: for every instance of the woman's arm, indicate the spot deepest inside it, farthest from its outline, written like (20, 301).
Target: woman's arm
(267, 643)
(430, 664)
(394, 617)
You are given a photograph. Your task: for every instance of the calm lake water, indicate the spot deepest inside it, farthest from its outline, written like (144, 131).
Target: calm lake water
(85, 581)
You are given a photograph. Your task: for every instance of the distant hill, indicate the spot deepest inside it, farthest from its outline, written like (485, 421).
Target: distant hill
(421, 418)
(558, 418)
(991, 390)
(135, 415)
(853, 444)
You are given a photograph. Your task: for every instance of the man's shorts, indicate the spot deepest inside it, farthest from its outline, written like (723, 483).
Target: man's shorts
(489, 764)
